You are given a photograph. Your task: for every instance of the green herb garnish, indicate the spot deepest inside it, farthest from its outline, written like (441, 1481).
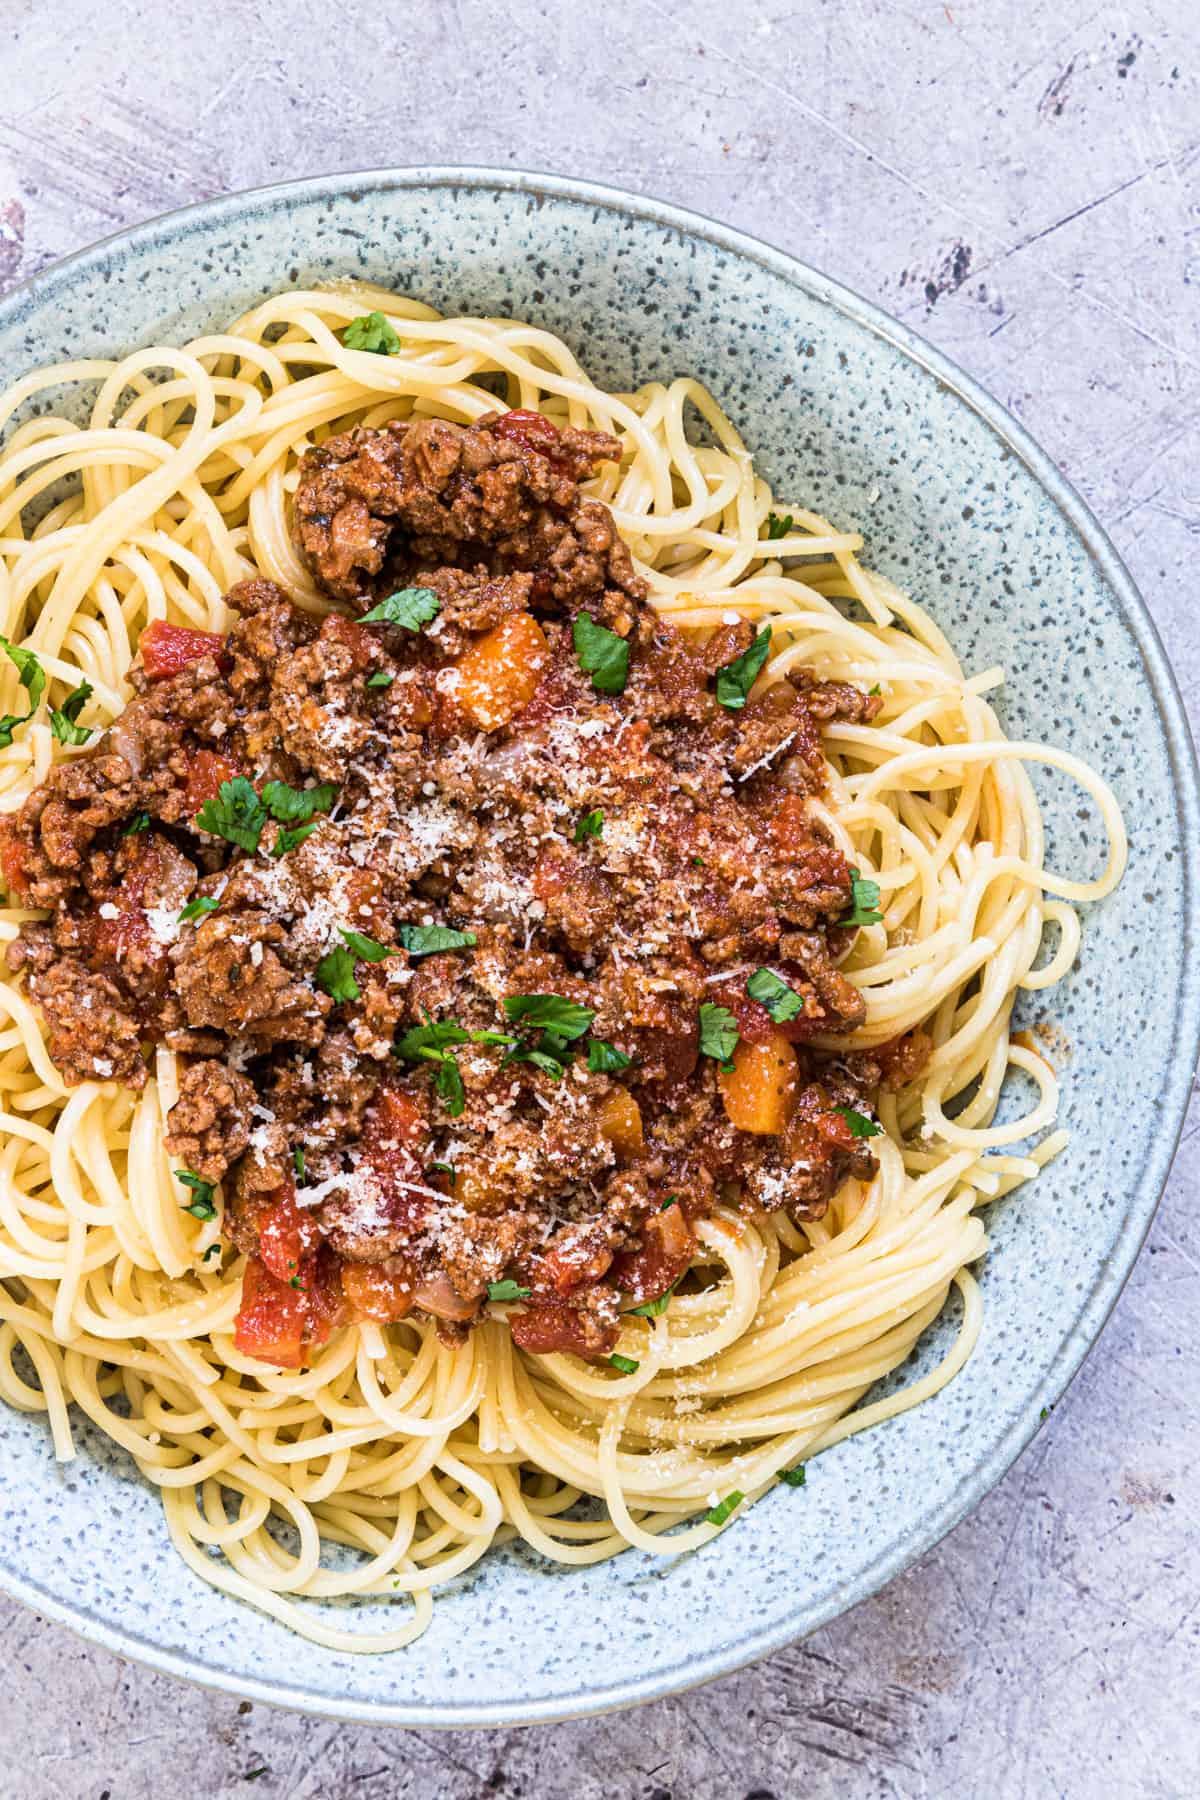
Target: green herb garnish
(201, 1205)
(298, 1160)
(139, 822)
(291, 835)
(717, 1515)
(335, 974)
(864, 902)
(63, 720)
(507, 1290)
(237, 814)
(292, 806)
(772, 991)
(778, 527)
(652, 1309)
(213, 1250)
(736, 678)
(860, 1125)
(448, 1169)
(427, 940)
(382, 678)
(719, 1034)
(625, 1365)
(410, 608)
(196, 909)
(604, 1058)
(32, 677)
(372, 332)
(602, 654)
(591, 825)
(565, 1018)
(797, 1477)
(365, 948)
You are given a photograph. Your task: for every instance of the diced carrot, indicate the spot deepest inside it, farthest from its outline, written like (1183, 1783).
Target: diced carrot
(760, 1090)
(382, 1292)
(499, 673)
(621, 1123)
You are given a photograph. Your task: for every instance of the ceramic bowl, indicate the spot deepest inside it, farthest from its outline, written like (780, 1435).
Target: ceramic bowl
(842, 404)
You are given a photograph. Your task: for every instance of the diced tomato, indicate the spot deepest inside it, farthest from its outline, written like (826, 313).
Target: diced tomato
(206, 772)
(271, 1319)
(833, 1126)
(395, 1139)
(280, 1322)
(383, 1292)
(551, 1325)
(531, 429)
(667, 1250)
(166, 649)
(117, 939)
(12, 859)
(351, 635)
(287, 1233)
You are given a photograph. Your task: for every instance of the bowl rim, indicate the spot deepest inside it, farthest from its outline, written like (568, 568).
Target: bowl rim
(1181, 752)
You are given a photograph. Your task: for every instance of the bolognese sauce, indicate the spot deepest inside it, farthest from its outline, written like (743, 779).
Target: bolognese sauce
(489, 917)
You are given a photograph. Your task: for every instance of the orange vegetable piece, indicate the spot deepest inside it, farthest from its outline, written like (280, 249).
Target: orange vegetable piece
(761, 1089)
(499, 673)
(621, 1123)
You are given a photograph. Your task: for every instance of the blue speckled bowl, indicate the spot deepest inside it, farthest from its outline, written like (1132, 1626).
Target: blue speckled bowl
(841, 403)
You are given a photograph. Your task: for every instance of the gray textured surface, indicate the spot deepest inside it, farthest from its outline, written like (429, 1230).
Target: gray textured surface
(1023, 190)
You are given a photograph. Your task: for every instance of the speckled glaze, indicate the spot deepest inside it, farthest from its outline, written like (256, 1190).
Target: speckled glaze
(842, 405)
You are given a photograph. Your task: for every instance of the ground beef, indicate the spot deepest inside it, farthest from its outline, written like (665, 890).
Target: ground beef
(246, 865)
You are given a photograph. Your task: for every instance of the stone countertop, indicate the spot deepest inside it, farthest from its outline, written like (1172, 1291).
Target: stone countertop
(1019, 184)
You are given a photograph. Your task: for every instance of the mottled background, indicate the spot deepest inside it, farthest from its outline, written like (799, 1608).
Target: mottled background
(1019, 183)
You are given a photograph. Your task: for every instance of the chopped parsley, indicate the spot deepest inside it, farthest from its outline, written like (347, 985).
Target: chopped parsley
(719, 1034)
(380, 679)
(735, 680)
(591, 825)
(624, 1365)
(139, 822)
(435, 1042)
(292, 806)
(507, 1290)
(871, 692)
(778, 527)
(860, 1125)
(201, 1204)
(448, 1170)
(448, 1084)
(604, 1058)
(32, 677)
(717, 1515)
(298, 1160)
(295, 1281)
(237, 814)
(253, 1774)
(565, 1018)
(652, 1309)
(64, 720)
(291, 835)
(372, 332)
(335, 974)
(196, 909)
(772, 991)
(797, 1477)
(864, 902)
(670, 1201)
(213, 1250)
(602, 654)
(410, 608)
(365, 948)
(427, 940)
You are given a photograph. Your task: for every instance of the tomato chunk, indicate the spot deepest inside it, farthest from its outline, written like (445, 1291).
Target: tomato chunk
(287, 1233)
(206, 772)
(552, 1325)
(12, 860)
(271, 1319)
(531, 429)
(395, 1140)
(666, 1252)
(166, 649)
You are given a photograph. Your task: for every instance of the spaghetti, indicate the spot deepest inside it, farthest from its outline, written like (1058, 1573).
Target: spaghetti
(411, 1455)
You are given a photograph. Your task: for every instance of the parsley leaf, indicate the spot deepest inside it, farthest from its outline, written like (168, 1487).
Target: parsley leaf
(32, 677)
(372, 332)
(298, 1160)
(139, 822)
(409, 608)
(719, 1033)
(292, 806)
(717, 1515)
(591, 825)
(625, 1365)
(602, 654)
(651, 1309)
(335, 973)
(604, 1058)
(201, 1206)
(797, 1477)
(507, 1290)
(291, 835)
(237, 814)
(864, 902)
(564, 1018)
(871, 692)
(365, 948)
(63, 719)
(213, 1250)
(772, 991)
(860, 1125)
(196, 909)
(449, 1085)
(382, 678)
(429, 1042)
(778, 527)
(426, 940)
(448, 1170)
(736, 678)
